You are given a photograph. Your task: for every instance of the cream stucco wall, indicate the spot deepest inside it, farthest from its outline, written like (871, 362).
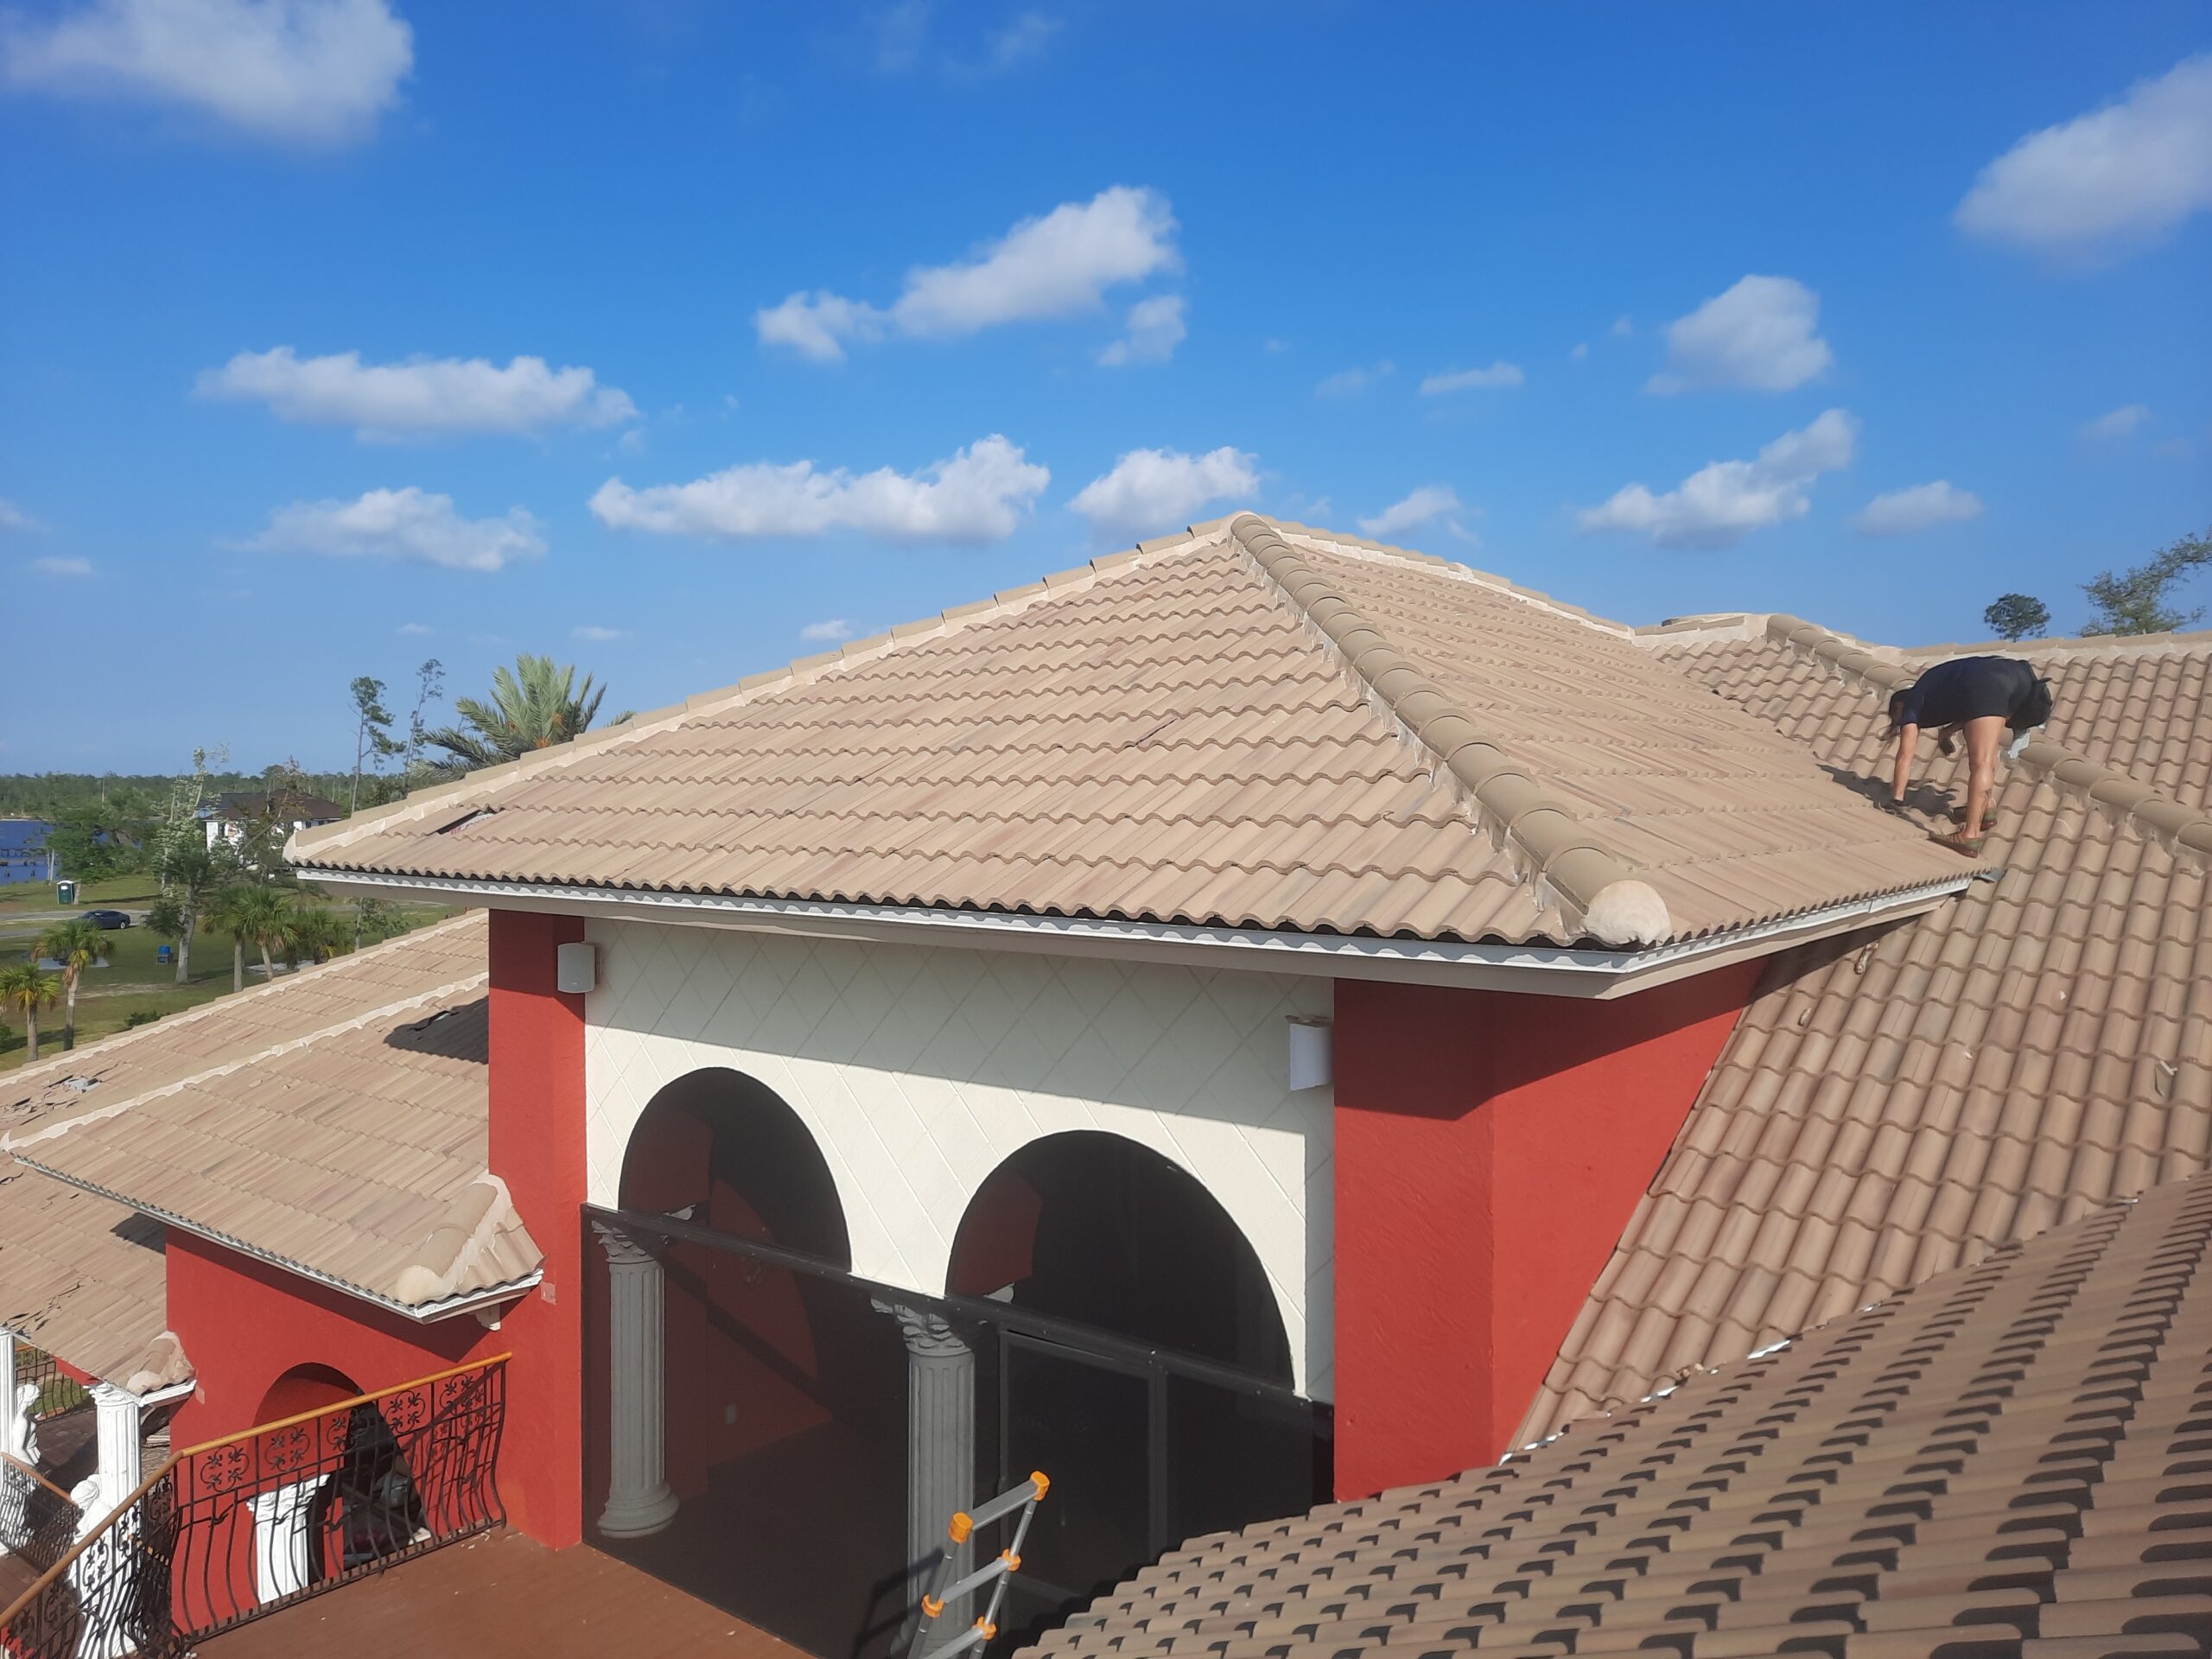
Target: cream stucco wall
(919, 1069)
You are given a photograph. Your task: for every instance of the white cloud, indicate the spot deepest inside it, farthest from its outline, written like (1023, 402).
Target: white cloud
(1053, 266)
(979, 495)
(1150, 490)
(1720, 504)
(1622, 327)
(1429, 501)
(1351, 383)
(828, 631)
(311, 71)
(14, 517)
(1900, 512)
(1156, 329)
(62, 566)
(1759, 334)
(2118, 176)
(409, 525)
(597, 634)
(414, 630)
(420, 397)
(1499, 374)
(2116, 423)
(1581, 352)
(1023, 41)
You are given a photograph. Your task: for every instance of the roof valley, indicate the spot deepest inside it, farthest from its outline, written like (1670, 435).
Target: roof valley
(1596, 889)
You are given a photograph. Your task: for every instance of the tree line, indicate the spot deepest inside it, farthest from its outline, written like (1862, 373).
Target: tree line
(2134, 601)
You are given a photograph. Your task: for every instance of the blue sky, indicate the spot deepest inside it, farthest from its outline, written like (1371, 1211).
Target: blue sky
(672, 337)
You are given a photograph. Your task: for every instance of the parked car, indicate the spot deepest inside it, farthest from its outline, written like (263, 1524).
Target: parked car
(107, 921)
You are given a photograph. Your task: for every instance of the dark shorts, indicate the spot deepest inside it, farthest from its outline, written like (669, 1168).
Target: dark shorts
(1970, 688)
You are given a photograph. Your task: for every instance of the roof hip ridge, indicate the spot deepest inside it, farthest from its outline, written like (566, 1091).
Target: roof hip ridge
(1605, 897)
(2121, 797)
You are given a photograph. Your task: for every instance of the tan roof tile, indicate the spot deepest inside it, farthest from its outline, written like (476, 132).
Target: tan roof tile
(1234, 727)
(2043, 1045)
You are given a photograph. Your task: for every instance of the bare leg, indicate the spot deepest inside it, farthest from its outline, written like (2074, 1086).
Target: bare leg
(1908, 737)
(1984, 734)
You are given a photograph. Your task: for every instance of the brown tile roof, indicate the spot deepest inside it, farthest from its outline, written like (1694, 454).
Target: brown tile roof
(1893, 1107)
(85, 1279)
(1246, 726)
(353, 1152)
(2008, 1462)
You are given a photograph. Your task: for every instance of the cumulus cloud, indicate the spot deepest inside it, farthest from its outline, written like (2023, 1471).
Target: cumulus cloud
(420, 397)
(14, 517)
(1499, 374)
(1900, 512)
(317, 72)
(62, 566)
(1760, 334)
(1057, 265)
(2114, 178)
(979, 495)
(1149, 491)
(410, 526)
(1351, 383)
(1429, 501)
(828, 631)
(413, 630)
(1720, 504)
(1155, 330)
(596, 634)
(2116, 423)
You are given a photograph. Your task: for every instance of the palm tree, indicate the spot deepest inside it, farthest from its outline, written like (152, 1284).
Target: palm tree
(265, 916)
(318, 935)
(76, 945)
(538, 705)
(229, 914)
(25, 990)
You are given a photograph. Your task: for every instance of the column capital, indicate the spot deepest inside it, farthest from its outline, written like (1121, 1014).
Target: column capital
(622, 1250)
(928, 1336)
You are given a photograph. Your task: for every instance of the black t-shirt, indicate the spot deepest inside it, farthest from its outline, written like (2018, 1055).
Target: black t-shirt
(1969, 688)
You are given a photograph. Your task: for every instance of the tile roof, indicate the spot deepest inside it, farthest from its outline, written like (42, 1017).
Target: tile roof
(353, 1152)
(85, 1279)
(2008, 1462)
(1893, 1107)
(1248, 725)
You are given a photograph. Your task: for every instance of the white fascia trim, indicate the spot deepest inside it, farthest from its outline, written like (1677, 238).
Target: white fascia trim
(1544, 969)
(163, 1396)
(421, 1312)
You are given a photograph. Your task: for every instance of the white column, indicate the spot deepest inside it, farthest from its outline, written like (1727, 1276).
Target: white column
(18, 1406)
(116, 1423)
(282, 1556)
(638, 1500)
(116, 1426)
(940, 1442)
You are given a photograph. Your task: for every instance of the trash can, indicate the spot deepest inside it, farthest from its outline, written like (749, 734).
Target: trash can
(65, 893)
(164, 956)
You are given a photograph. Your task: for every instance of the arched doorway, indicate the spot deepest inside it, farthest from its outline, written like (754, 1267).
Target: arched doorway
(782, 1390)
(1093, 1232)
(340, 1494)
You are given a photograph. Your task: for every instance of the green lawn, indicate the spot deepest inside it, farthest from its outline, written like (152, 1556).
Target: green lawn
(133, 981)
(123, 892)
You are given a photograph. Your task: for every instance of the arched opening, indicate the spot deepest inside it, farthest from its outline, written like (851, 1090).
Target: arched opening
(1090, 1230)
(1090, 1227)
(782, 1389)
(345, 1496)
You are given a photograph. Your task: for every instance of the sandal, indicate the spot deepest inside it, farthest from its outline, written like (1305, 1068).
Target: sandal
(1959, 842)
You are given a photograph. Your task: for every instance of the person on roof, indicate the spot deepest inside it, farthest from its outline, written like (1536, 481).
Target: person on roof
(1982, 696)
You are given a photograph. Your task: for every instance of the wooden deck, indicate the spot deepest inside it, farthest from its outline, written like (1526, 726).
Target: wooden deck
(498, 1595)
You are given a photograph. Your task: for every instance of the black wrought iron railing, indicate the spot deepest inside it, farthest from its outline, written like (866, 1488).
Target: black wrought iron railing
(38, 1520)
(240, 1527)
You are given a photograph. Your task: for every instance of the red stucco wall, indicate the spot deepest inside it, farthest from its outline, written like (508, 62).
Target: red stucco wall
(1490, 1149)
(537, 1149)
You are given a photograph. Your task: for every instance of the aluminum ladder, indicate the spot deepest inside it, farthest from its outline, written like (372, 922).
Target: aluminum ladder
(943, 1592)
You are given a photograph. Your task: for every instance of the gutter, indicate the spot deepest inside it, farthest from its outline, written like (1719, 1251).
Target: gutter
(1541, 970)
(421, 1313)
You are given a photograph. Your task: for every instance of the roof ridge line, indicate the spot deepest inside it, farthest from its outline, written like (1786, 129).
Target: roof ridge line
(418, 804)
(2111, 790)
(1584, 874)
(12, 1145)
(1360, 547)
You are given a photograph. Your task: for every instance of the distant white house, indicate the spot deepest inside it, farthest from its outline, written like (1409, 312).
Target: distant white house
(236, 811)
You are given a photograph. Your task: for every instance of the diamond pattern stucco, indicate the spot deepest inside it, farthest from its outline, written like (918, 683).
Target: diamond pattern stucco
(919, 1069)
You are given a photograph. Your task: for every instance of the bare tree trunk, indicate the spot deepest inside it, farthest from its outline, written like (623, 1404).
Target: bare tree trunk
(30, 1029)
(69, 1010)
(268, 968)
(184, 947)
(238, 963)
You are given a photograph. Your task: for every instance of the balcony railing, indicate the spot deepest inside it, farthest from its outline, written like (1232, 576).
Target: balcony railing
(57, 1390)
(38, 1520)
(239, 1526)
